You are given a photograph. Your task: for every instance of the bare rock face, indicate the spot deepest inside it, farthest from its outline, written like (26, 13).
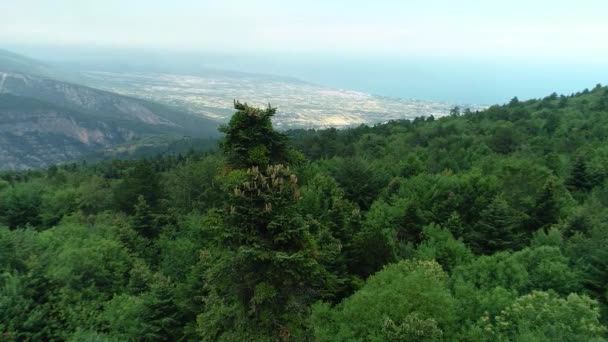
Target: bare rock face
(44, 121)
(37, 134)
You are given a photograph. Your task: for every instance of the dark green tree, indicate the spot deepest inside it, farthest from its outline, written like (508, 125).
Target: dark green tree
(579, 179)
(547, 209)
(602, 103)
(250, 139)
(411, 224)
(161, 313)
(271, 272)
(563, 102)
(21, 205)
(498, 228)
(514, 102)
(140, 180)
(143, 219)
(360, 180)
(504, 140)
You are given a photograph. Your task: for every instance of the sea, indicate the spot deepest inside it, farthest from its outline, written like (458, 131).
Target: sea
(479, 80)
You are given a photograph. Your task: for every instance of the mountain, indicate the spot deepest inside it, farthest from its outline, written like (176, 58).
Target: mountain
(45, 121)
(16, 63)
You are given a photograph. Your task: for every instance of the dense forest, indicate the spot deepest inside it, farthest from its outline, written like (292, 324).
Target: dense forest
(478, 226)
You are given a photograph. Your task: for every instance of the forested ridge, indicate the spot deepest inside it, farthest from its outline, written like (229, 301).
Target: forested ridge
(479, 226)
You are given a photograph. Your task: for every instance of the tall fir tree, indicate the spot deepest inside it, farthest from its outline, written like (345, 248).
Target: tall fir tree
(141, 180)
(579, 179)
(498, 228)
(142, 220)
(250, 139)
(272, 272)
(547, 209)
(161, 318)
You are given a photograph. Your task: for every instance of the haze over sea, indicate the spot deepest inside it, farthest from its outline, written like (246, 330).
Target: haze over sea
(456, 80)
(474, 52)
(466, 81)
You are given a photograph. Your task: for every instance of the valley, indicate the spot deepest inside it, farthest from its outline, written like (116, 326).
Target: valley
(300, 104)
(45, 121)
(52, 113)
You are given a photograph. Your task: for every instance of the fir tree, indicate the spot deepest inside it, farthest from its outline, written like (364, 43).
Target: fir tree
(579, 179)
(143, 220)
(410, 229)
(250, 139)
(498, 228)
(162, 323)
(272, 271)
(141, 180)
(547, 209)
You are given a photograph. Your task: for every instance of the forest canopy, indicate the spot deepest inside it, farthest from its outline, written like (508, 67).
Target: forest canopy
(478, 226)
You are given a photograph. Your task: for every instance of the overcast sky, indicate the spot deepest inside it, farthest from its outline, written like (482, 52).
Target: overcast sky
(513, 29)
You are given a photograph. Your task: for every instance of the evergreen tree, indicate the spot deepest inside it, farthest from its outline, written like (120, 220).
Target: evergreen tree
(360, 181)
(602, 103)
(412, 222)
(143, 220)
(21, 205)
(579, 179)
(504, 140)
(250, 139)
(141, 180)
(514, 102)
(161, 321)
(563, 102)
(272, 271)
(547, 209)
(498, 228)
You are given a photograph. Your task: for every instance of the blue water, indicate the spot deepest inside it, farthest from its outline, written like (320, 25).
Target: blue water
(441, 79)
(476, 80)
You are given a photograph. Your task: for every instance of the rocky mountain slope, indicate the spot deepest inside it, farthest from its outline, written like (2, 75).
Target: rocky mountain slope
(45, 121)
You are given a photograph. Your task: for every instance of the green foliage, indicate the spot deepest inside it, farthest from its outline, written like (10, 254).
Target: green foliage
(542, 316)
(271, 273)
(123, 315)
(440, 245)
(56, 205)
(412, 328)
(486, 226)
(548, 205)
(193, 185)
(579, 179)
(498, 228)
(504, 139)
(250, 139)
(541, 268)
(412, 294)
(142, 180)
(360, 181)
(143, 220)
(590, 255)
(20, 205)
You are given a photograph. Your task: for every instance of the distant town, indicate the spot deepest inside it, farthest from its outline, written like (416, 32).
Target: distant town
(300, 104)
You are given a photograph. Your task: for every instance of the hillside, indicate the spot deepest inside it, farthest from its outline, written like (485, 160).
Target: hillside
(479, 226)
(46, 121)
(17, 63)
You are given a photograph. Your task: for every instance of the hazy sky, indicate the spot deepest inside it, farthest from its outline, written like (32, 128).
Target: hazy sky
(531, 29)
